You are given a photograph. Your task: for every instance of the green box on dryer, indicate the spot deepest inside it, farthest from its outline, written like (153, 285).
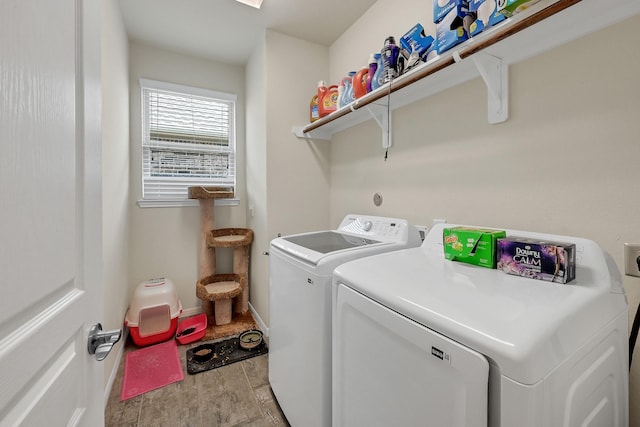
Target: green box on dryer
(475, 246)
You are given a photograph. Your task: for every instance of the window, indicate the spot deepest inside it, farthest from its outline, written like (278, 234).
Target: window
(188, 139)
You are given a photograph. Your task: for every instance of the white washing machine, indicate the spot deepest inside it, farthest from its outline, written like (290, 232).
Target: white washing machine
(300, 272)
(419, 340)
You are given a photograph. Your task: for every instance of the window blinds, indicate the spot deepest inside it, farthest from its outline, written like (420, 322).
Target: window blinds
(188, 139)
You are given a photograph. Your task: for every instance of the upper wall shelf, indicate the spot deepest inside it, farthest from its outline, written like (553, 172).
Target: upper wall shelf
(542, 27)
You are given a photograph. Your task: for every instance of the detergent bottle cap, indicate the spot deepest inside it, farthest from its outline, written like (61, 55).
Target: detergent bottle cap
(372, 58)
(389, 41)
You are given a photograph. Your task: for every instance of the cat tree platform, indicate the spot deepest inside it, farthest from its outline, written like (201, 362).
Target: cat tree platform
(220, 289)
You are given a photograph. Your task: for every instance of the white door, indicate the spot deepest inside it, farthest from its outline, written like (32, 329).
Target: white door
(50, 212)
(391, 371)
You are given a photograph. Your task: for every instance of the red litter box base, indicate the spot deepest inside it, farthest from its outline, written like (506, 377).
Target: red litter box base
(155, 338)
(199, 325)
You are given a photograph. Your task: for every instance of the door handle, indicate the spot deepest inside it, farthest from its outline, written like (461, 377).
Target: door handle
(101, 342)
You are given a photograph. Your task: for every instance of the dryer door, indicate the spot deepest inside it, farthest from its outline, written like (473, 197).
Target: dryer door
(389, 370)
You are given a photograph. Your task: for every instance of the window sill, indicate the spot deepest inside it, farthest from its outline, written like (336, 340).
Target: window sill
(182, 203)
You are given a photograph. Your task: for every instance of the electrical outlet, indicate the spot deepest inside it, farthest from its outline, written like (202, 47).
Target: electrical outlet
(423, 230)
(632, 259)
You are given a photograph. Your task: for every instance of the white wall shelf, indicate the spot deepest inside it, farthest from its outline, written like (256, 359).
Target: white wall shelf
(542, 27)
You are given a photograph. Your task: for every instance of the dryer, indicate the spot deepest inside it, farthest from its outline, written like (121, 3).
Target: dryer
(419, 340)
(300, 272)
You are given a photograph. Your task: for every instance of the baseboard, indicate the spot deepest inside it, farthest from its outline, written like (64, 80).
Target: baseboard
(187, 312)
(114, 371)
(261, 324)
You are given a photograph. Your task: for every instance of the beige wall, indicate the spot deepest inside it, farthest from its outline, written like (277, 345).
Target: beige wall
(567, 161)
(115, 171)
(298, 174)
(164, 241)
(256, 173)
(385, 18)
(287, 179)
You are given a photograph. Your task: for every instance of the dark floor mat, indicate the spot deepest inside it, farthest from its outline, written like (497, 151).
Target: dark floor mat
(207, 356)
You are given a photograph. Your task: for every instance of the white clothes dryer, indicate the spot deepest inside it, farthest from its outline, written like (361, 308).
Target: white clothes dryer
(420, 340)
(300, 273)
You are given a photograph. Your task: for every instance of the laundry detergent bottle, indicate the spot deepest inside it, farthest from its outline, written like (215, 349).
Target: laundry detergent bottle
(314, 114)
(327, 98)
(345, 95)
(373, 66)
(390, 52)
(378, 76)
(322, 91)
(331, 99)
(360, 83)
(348, 88)
(341, 93)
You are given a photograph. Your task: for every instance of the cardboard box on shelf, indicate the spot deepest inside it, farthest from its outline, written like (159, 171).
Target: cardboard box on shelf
(442, 7)
(511, 7)
(486, 15)
(416, 40)
(450, 30)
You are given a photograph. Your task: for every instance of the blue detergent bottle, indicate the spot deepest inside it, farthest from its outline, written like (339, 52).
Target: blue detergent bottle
(348, 89)
(373, 67)
(378, 76)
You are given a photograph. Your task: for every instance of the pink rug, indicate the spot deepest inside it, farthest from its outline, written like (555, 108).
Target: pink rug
(151, 368)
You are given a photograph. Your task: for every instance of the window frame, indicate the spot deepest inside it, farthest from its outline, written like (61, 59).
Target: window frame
(147, 143)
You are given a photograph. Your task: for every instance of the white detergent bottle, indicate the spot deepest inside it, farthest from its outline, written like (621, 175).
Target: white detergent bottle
(341, 94)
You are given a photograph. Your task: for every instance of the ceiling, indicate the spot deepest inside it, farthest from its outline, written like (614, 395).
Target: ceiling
(228, 31)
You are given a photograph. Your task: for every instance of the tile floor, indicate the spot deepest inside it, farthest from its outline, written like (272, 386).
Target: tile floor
(235, 395)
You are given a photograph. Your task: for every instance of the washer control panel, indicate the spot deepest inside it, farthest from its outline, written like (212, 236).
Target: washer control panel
(393, 229)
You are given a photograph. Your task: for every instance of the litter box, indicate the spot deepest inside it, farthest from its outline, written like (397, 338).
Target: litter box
(199, 325)
(153, 313)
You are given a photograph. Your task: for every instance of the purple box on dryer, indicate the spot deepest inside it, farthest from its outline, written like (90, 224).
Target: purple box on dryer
(537, 259)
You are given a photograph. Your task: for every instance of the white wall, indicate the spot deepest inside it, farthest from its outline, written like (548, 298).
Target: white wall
(115, 170)
(567, 161)
(164, 241)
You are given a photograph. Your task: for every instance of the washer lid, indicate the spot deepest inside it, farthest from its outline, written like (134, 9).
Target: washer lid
(526, 326)
(323, 246)
(329, 241)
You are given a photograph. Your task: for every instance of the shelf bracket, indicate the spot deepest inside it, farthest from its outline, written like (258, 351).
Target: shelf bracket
(495, 74)
(382, 115)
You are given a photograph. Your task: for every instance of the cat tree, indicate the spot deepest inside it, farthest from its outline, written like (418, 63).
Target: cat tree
(225, 297)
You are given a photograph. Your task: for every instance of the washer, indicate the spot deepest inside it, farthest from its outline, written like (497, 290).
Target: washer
(419, 340)
(300, 273)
